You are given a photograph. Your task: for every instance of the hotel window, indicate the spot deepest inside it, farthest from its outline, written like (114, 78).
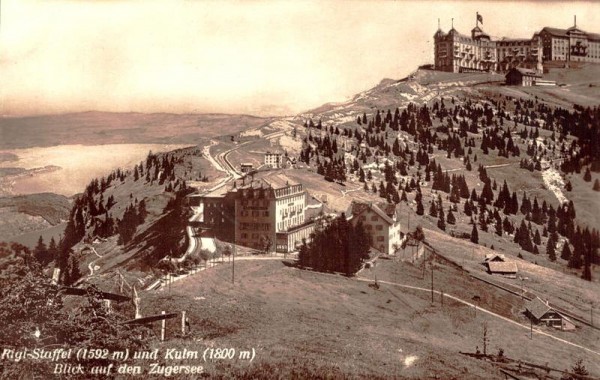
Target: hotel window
(374, 218)
(380, 238)
(379, 227)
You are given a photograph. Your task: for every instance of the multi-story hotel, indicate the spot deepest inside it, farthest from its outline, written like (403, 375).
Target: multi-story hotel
(573, 45)
(456, 52)
(253, 212)
(273, 159)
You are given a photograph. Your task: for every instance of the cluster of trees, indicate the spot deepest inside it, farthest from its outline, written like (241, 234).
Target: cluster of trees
(166, 236)
(501, 139)
(334, 169)
(34, 314)
(339, 246)
(497, 120)
(436, 210)
(132, 218)
(330, 163)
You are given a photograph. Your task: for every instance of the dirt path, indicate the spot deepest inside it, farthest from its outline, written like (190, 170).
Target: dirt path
(92, 264)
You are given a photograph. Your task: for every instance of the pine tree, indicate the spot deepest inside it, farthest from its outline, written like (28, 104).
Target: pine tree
(587, 272)
(575, 260)
(40, 252)
(537, 238)
(142, 213)
(499, 227)
(52, 249)
(474, 234)
(566, 252)
(596, 185)
(441, 221)
(420, 209)
(450, 218)
(433, 210)
(550, 249)
(587, 177)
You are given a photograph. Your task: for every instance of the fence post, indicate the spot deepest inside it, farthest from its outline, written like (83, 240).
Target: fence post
(163, 328)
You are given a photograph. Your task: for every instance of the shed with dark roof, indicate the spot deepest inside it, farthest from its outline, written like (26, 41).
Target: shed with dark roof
(504, 268)
(521, 77)
(540, 312)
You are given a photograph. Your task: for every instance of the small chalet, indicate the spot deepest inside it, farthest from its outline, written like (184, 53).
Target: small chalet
(246, 167)
(541, 312)
(521, 77)
(494, 257)
(503, 268)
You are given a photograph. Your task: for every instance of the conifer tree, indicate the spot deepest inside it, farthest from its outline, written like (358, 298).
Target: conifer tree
(575, 260)
(441, 221)
(474, 234)
(587, 177)
(550, 249)
(537, 238)
(450, 218)
(499, 227)
(420, 209)
(566, 252)
(40, 252)
(433, 209)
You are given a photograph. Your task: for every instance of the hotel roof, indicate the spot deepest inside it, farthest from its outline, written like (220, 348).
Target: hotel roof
(278, 181)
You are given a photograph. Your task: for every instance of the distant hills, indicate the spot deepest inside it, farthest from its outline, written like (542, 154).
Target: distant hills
(92, 128)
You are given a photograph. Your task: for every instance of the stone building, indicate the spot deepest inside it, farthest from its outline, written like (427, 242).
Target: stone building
(273, 159)
(570, 45)
(456, 52)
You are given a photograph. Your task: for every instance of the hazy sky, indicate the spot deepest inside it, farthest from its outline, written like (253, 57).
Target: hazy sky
(255, 57)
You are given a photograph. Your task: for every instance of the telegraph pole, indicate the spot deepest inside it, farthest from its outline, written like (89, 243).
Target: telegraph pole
(234, 246)
(530, 329)
(431, 282)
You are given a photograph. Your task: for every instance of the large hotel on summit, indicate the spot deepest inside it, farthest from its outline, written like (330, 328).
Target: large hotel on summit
(456, 52)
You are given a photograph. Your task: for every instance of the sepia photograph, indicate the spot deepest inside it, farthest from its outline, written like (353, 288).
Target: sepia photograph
(272, 189)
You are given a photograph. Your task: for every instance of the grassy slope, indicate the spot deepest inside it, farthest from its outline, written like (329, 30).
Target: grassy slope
(561, 289)
(125, 193)
(429, 85)
(297, 319)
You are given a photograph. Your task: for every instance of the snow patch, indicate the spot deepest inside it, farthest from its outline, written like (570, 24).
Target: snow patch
(554, 182)
(409, 360)
(281, 124)
(252, 132)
